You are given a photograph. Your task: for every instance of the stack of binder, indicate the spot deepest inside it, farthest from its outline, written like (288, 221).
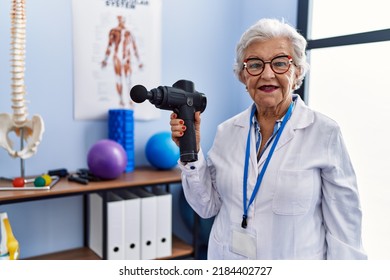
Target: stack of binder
(121, 130)
(139, 224)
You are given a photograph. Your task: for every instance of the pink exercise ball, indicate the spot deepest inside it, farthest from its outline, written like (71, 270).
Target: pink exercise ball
(107, 159)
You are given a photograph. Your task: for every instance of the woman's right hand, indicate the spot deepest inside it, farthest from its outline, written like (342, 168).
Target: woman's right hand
(178, 127)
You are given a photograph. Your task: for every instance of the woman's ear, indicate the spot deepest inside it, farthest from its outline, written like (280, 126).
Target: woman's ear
(297, 74)
(242, 77)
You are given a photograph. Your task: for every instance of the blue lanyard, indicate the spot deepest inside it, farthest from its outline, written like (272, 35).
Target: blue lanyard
(262, 172)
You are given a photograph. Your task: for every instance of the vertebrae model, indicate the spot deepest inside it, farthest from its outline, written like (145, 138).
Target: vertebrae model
(31, 130)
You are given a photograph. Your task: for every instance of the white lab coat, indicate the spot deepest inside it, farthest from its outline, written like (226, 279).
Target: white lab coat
(308, 203)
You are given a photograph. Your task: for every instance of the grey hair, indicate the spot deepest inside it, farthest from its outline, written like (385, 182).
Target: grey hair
(266, 29)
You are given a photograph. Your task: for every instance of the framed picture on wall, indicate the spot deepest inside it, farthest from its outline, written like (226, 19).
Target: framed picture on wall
(117, 44)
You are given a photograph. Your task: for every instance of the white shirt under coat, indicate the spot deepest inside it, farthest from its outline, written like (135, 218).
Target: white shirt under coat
(307, 206)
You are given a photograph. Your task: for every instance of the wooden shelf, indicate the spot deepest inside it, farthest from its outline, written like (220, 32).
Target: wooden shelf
(142, 176)
(179, 249)
(83, 253)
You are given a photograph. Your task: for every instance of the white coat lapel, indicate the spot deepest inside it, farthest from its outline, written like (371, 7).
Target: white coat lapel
(243, 121)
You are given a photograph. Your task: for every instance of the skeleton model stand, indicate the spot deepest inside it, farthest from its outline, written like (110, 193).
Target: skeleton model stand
(29, 131)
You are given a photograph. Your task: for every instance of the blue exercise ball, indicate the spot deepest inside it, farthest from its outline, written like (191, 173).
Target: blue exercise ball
(161, 151)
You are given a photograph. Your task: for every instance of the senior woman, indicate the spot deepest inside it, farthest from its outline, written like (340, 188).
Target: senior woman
(278, 178)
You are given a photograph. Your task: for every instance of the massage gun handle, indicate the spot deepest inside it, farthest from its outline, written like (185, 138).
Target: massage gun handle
(188, 150)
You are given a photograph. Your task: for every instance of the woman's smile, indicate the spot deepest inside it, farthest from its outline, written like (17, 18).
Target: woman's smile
(268, 88)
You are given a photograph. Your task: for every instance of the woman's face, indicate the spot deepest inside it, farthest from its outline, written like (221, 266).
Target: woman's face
(270, 90)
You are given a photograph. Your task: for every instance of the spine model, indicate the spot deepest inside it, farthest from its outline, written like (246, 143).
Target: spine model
(30, 131)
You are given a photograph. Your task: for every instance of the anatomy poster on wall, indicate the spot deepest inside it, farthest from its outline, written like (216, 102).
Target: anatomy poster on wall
(117, 45)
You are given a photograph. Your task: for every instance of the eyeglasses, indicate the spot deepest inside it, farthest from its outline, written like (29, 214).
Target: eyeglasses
(279, 64)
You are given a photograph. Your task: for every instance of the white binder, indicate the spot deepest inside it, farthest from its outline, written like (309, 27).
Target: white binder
(95, 225)
(132, 225)
(115, 228)
(164, 222)
(148, 223)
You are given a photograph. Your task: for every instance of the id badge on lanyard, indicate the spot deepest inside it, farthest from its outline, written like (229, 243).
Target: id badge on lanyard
(243, 242)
